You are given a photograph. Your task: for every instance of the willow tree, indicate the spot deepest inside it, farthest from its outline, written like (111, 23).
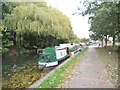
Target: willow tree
(36, 23)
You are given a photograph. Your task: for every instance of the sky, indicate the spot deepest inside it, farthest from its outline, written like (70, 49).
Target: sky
(79, 23)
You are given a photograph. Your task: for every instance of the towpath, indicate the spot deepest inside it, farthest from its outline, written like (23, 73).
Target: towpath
(90, 73)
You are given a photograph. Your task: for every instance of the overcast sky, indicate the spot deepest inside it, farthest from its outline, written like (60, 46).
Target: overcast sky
(79, 23)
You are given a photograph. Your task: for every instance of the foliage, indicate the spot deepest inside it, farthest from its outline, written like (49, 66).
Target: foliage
(24, 51)
(5, 50)
(34, 25)
(78, 40)
(104, 18)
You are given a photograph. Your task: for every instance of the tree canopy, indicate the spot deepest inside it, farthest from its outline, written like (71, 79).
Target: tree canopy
(31, 25)
(104, 18)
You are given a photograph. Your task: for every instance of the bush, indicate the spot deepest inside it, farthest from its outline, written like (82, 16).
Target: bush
(4, 50)
(23, 51)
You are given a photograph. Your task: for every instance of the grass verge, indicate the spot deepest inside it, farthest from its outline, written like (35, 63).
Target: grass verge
(62, 73)
(109, 58)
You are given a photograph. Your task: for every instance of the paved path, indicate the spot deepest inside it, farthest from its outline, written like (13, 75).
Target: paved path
(90, 73)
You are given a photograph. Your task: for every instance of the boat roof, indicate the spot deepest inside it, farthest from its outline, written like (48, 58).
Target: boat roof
(60, 48)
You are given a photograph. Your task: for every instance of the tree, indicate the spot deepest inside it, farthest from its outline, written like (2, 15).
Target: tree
(36, 25)
(103, 18)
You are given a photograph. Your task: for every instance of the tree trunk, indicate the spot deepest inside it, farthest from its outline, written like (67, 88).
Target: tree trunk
(20, 40)
(14, 39)
(113, 41)
(102, 42)
(106, 40)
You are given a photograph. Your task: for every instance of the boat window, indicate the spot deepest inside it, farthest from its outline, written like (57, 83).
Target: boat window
(40, 51)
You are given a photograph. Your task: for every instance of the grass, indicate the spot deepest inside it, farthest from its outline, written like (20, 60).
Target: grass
(60, 75)
(109, 58)
(111, 46)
